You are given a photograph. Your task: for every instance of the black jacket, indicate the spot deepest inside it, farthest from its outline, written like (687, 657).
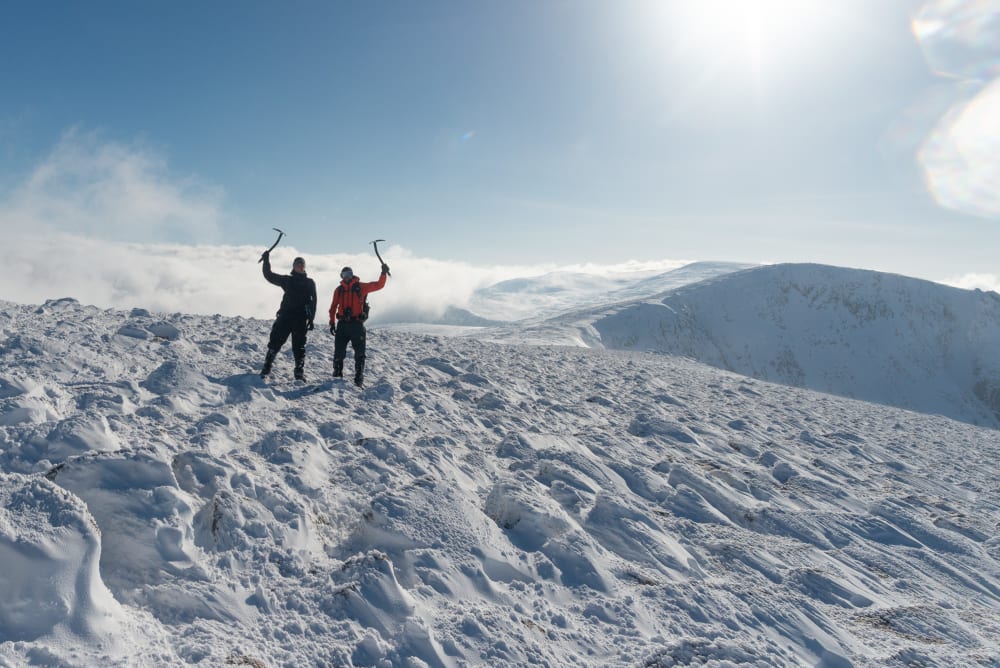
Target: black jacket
(300, 292)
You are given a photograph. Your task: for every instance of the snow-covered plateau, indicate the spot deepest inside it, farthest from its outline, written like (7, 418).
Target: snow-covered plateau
(781, 466)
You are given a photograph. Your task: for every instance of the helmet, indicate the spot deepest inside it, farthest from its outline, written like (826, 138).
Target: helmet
(346, 273)
(299, 260)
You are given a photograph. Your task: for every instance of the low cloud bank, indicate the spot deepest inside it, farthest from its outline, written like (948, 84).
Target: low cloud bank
(107, 223)
(227, 279)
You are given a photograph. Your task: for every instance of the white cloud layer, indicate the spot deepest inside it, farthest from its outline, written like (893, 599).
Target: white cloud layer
(108, 224)
(227, 279)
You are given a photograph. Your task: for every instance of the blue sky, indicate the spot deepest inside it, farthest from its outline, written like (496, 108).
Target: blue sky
(514, 132)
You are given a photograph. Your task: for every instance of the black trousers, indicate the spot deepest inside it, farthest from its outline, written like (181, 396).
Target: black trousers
(282, 327)
(353, 332)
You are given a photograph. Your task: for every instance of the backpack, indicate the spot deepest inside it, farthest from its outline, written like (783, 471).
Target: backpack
(356, 289)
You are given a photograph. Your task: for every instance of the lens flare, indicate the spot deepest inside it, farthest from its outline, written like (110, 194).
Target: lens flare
(961, 157)
(960, 38)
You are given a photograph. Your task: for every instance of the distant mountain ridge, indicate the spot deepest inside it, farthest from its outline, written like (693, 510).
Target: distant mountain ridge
(463, 318)
(874, 336)
(540, 297)
(689, 274)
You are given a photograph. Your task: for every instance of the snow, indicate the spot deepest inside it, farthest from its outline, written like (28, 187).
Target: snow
(879, 337)
(492, 499)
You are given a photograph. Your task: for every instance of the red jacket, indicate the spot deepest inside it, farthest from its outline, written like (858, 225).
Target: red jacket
(347, 296)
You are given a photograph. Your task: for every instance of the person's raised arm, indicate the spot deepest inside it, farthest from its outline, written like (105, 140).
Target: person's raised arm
(269, 275)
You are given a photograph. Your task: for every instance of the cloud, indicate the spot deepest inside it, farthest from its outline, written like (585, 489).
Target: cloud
(108, 224)
(95, 188)
(170, 278)
(974, 281)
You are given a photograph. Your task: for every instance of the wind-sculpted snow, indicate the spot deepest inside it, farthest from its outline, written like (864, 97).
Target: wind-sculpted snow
(50, 548)
(862, 334)
(479, 504)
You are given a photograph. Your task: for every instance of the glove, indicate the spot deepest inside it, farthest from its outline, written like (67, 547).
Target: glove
(309, 326)
(385, 268)
(333, 328)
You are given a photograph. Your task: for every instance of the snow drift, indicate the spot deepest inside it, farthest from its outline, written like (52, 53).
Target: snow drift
(50, 547)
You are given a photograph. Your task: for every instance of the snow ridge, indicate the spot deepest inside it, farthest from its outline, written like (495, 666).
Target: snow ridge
(542, 297)
(878, 337)
(477, 504)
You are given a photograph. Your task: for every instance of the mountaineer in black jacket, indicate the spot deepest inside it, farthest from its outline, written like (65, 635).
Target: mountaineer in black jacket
(295, 315)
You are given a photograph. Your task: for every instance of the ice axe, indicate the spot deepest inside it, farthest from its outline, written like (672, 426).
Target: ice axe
(274, 245)
(375, 244)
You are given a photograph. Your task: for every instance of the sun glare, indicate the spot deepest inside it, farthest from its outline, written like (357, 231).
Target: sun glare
(745, 37)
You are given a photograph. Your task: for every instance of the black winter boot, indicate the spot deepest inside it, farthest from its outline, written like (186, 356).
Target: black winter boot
(359, 372)
(338, 368)
(300, 369)
(268, 361)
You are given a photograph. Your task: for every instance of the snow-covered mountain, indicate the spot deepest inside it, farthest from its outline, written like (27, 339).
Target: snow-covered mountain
(479, 504)
(460, 317)
(879, 337)
(689, 274)
(543, 297)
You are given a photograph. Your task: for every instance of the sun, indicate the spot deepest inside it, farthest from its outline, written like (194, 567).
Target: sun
(747, 37)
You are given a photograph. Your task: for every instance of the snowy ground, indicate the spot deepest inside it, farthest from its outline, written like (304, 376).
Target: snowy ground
(478, 504)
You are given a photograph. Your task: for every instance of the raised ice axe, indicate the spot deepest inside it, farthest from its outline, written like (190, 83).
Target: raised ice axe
(375, 244)
(273, 246)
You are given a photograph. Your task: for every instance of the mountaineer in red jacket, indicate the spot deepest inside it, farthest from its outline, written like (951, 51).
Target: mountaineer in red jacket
(348, 313)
